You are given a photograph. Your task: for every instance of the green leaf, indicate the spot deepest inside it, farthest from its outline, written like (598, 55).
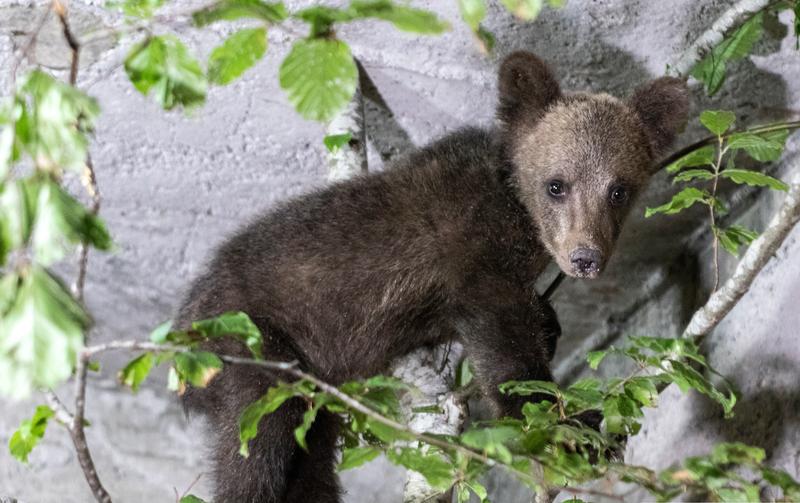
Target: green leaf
(595, 357)
(334, 142)
(486, 39)
(236, 324)
(524, 9)
(17, 212)
(52, 122)
(463, 373)
(797, 29)
(643, 390)
(478, 489)
(163, 67)
(711, 69)
(473, 12)
(143, 9)
(136, 371)
(717, 121)
(253, 413)
(620, 414)
(733, 237)
(385, 433)
(688, 378)
(584, 394)
(401, 16)
(790, 487)
(737, 453)
(40, 335)
(230, 10)
(753, 178)
(320, 77)
(191, 498)
(61, 219)
(320, 400)
(492, 440)
(680, 201)
(9, 284)
(159, 334)
(29, 433)
(357, 456)
(437, 471)
(703, 156)
(693, 174)
(197, 367)
(10, 112)
(526, 388)
(238, 53)
(763, 147)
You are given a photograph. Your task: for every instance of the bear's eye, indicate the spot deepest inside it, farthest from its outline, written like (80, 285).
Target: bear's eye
(618, 195)
(555, 188)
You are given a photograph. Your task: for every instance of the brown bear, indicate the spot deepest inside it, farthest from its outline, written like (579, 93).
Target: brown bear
(444, 244)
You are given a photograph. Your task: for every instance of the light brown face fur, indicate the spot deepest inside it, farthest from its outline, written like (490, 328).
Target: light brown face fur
(580, 160)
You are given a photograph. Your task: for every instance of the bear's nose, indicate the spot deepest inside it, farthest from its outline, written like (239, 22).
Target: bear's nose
(586, 260)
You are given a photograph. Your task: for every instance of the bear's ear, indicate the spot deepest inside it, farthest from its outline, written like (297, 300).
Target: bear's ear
(526, 88)
(663, 107)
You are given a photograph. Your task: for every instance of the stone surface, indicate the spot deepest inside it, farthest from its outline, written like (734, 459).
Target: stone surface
(174, 184)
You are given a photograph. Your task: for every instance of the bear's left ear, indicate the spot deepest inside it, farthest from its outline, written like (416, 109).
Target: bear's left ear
(663, 107)
(526, 87)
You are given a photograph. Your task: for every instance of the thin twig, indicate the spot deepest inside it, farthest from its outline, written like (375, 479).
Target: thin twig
(710, 140)
(89, 180)
(729, 21)
(76, 426)
(712, 216)
(75, 48)
(758, 254)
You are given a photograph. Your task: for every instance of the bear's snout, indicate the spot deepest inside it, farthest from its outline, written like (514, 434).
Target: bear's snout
(586, 262)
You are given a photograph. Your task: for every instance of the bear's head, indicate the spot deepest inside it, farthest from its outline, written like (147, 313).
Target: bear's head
(579, 159)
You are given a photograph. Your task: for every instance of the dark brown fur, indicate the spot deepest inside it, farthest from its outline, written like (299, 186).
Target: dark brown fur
(445, 244)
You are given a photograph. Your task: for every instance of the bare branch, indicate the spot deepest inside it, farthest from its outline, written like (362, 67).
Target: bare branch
(730, 20)
(79, 436)
(90, 183)
(758, 254)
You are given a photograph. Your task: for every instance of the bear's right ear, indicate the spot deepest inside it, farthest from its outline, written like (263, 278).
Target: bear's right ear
(526, 88)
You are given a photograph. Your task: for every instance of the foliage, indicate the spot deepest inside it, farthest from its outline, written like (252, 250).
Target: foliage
(551, 432)
(29, 434)
(713, 163)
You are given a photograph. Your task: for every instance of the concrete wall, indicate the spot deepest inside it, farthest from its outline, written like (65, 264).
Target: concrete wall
(173, 185)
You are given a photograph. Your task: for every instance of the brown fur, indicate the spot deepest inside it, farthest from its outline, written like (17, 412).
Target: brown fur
(445, 244)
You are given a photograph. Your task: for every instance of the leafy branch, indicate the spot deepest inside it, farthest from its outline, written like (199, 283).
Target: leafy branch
(550, 432)
(705, 159)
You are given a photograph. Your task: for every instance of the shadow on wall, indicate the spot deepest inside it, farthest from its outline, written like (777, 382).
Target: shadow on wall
(764, 416)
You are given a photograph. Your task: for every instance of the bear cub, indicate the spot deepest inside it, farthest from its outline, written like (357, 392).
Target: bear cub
(444, 244)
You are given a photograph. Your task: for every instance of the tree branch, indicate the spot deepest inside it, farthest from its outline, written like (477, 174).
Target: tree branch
(76, 425)
(758, 254)
(292, 368)
(730, 20)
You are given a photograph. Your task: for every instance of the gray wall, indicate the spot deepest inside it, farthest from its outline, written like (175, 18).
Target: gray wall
(173, 185)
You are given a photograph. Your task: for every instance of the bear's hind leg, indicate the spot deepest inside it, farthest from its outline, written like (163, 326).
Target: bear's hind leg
(313, 473)
(265, 475)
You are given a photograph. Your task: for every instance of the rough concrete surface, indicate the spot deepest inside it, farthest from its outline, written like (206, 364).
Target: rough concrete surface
(175, 184)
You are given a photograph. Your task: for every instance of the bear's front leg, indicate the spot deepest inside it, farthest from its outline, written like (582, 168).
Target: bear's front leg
(509, 334)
